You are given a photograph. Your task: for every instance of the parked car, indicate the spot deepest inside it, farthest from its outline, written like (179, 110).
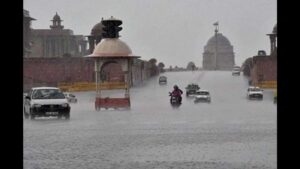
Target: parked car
(202, 95)
(46, 101)
(254, 92)
(70, 97)
(162, 80)
(236, 70)
(24, 95)
(191, 89)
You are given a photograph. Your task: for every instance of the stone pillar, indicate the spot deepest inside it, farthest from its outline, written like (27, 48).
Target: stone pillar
(91, 43)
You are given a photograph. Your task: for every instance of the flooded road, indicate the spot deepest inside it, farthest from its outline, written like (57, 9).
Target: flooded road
(230, 132)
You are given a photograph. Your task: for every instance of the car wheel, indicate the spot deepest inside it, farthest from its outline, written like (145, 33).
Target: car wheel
(32, 116)
(67, 116)
(59, 116)
(25, 114)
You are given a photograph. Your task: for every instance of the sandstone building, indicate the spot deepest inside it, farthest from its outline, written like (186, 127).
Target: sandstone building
(263, 72)
(27, 31)
(57, 41)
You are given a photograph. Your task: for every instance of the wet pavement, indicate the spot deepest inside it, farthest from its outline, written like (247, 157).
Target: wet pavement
(230, 132)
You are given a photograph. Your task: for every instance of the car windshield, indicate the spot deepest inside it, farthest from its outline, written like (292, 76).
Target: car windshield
(254, 89)
(203, 93)
(48, 94)
(193, 86)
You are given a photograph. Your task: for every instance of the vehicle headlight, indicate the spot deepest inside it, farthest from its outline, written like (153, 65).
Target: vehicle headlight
(37, 105)
(65, 105)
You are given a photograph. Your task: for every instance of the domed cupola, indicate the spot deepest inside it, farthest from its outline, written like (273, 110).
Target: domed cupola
(273, 41)
(56, 22)
(218, 38)
(96, 35)
(97, 29)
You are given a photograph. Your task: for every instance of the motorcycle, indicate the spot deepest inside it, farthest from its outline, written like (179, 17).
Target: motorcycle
(175, 100)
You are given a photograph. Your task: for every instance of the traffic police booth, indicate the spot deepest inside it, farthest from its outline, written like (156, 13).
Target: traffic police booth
(112, 50)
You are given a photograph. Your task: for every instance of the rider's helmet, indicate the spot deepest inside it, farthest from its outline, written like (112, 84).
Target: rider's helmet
(175, 87)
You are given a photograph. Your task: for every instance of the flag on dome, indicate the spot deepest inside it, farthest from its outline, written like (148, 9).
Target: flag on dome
(216, 23)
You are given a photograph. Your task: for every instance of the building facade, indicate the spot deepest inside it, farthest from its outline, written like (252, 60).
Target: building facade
(263, 72)
(45, 65)
(27, 33)
(57, 41)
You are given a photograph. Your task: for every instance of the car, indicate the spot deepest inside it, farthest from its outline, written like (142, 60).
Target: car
(236, 70)
(162, 80)
(46, 101)
(191, 89)
(255, 92)
(24, 95)
(70, 97)
(202, 95)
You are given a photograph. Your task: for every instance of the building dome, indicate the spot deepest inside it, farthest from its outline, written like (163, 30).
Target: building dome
(97, 29)
(222, 40)
(56, 17)
(218, 54)
(111, 47)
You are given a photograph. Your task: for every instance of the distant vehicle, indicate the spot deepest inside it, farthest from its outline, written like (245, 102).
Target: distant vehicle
(236, 70)
(70, 97)
(202, 95)
(162, 80)
(191, 89)
(254, 92)
(261, 53)
(46, 101)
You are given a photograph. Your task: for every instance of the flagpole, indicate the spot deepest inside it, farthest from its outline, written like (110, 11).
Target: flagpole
(216, 50)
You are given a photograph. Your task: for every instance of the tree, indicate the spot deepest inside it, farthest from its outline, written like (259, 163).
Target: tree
(153, 61)
(247, 66)
(161, 66)
(191, 66)
(153, 68)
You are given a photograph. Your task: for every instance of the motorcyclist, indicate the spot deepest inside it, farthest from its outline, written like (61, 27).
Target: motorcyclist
(177, 92)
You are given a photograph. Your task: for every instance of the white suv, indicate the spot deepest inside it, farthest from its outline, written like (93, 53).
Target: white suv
(46, 101)
(254, 93)
(202, 95)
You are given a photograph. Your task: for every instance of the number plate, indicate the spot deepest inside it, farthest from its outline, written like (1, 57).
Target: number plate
(51, 113)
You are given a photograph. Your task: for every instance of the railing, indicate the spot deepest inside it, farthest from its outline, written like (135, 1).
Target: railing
(91, 86)
(267, 84)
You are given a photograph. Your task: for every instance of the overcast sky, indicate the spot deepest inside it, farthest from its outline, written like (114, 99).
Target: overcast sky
(172, 31)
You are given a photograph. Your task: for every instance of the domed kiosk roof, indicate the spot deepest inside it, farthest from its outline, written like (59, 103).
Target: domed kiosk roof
(221, 40)
(111, 47)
